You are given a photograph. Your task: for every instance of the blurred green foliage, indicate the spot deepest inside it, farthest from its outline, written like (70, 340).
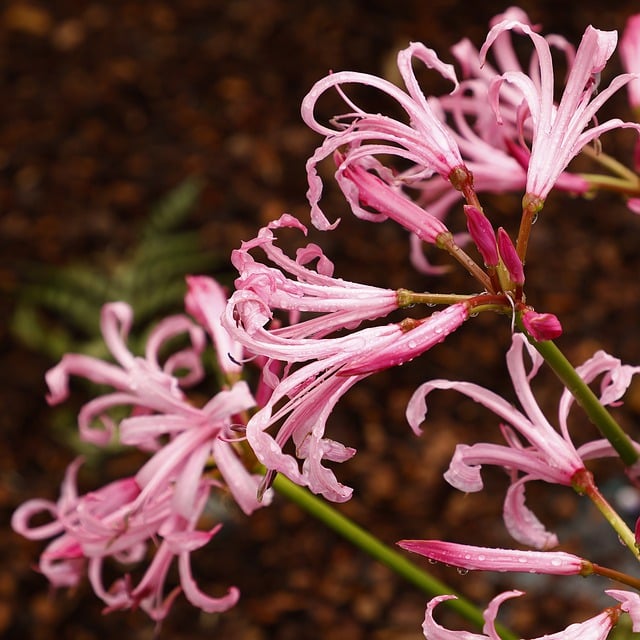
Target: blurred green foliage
(58, 310)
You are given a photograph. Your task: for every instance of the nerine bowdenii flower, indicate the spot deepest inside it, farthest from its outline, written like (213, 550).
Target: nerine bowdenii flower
(595, 628)
(534, 448)
(192, 453)
(324, 353)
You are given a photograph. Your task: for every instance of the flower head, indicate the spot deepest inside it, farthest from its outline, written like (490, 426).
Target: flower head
(424, 140)
(192, 452)
(558, 133)
(596, 628)
(119, 522)
(534, 447)
(319, 365)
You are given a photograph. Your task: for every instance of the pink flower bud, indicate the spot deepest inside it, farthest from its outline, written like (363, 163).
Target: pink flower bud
(483, 235)
(466, 556)
(541, 326)
(510, 258)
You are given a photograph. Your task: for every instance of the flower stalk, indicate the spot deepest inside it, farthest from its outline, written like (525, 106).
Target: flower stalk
(583, 483)
(371, 545)
(587, 399)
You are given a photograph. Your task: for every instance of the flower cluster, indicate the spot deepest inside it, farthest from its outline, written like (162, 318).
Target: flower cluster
(192, 452)
(314, 335)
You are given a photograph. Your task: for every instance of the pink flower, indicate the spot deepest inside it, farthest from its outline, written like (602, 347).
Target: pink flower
(630, 603)
(142, 382)
(630, 56)
(295, 288)
(305, 397)
(320, 367)
(558, 133)
(118, 521)
(424, 140)
(362, 187)
(596, 628)
(491, 151)
(473, 558)
(193, 451)
(533, 446)
(206, 301)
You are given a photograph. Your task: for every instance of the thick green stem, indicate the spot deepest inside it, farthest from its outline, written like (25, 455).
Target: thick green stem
(587, 399)
(378, 550)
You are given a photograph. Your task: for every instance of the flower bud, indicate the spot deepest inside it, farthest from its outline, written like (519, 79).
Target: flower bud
(541, 326)
(482, 234)
(510, 258)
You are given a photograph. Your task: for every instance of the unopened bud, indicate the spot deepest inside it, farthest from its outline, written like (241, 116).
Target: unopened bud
(541, 326)
(482, 234)
(510, 258)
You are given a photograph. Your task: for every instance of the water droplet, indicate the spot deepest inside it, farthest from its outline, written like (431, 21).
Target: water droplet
(412, 344)
(481, 558)
(462, 571)
(534, 219)
(556, 563)
(432, 561)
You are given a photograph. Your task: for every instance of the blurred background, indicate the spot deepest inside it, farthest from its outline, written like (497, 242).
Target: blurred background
(143, 140)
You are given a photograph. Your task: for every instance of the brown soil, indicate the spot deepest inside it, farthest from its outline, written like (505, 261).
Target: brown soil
(106, 106)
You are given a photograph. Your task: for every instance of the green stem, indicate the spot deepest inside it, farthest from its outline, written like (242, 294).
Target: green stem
(378, 550)
(583, 483)
(445, 241)
(611, 164)
(587, 399)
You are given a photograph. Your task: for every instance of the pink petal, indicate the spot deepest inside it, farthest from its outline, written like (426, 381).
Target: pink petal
(522, 524)
(630, 603)
(489, 559)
